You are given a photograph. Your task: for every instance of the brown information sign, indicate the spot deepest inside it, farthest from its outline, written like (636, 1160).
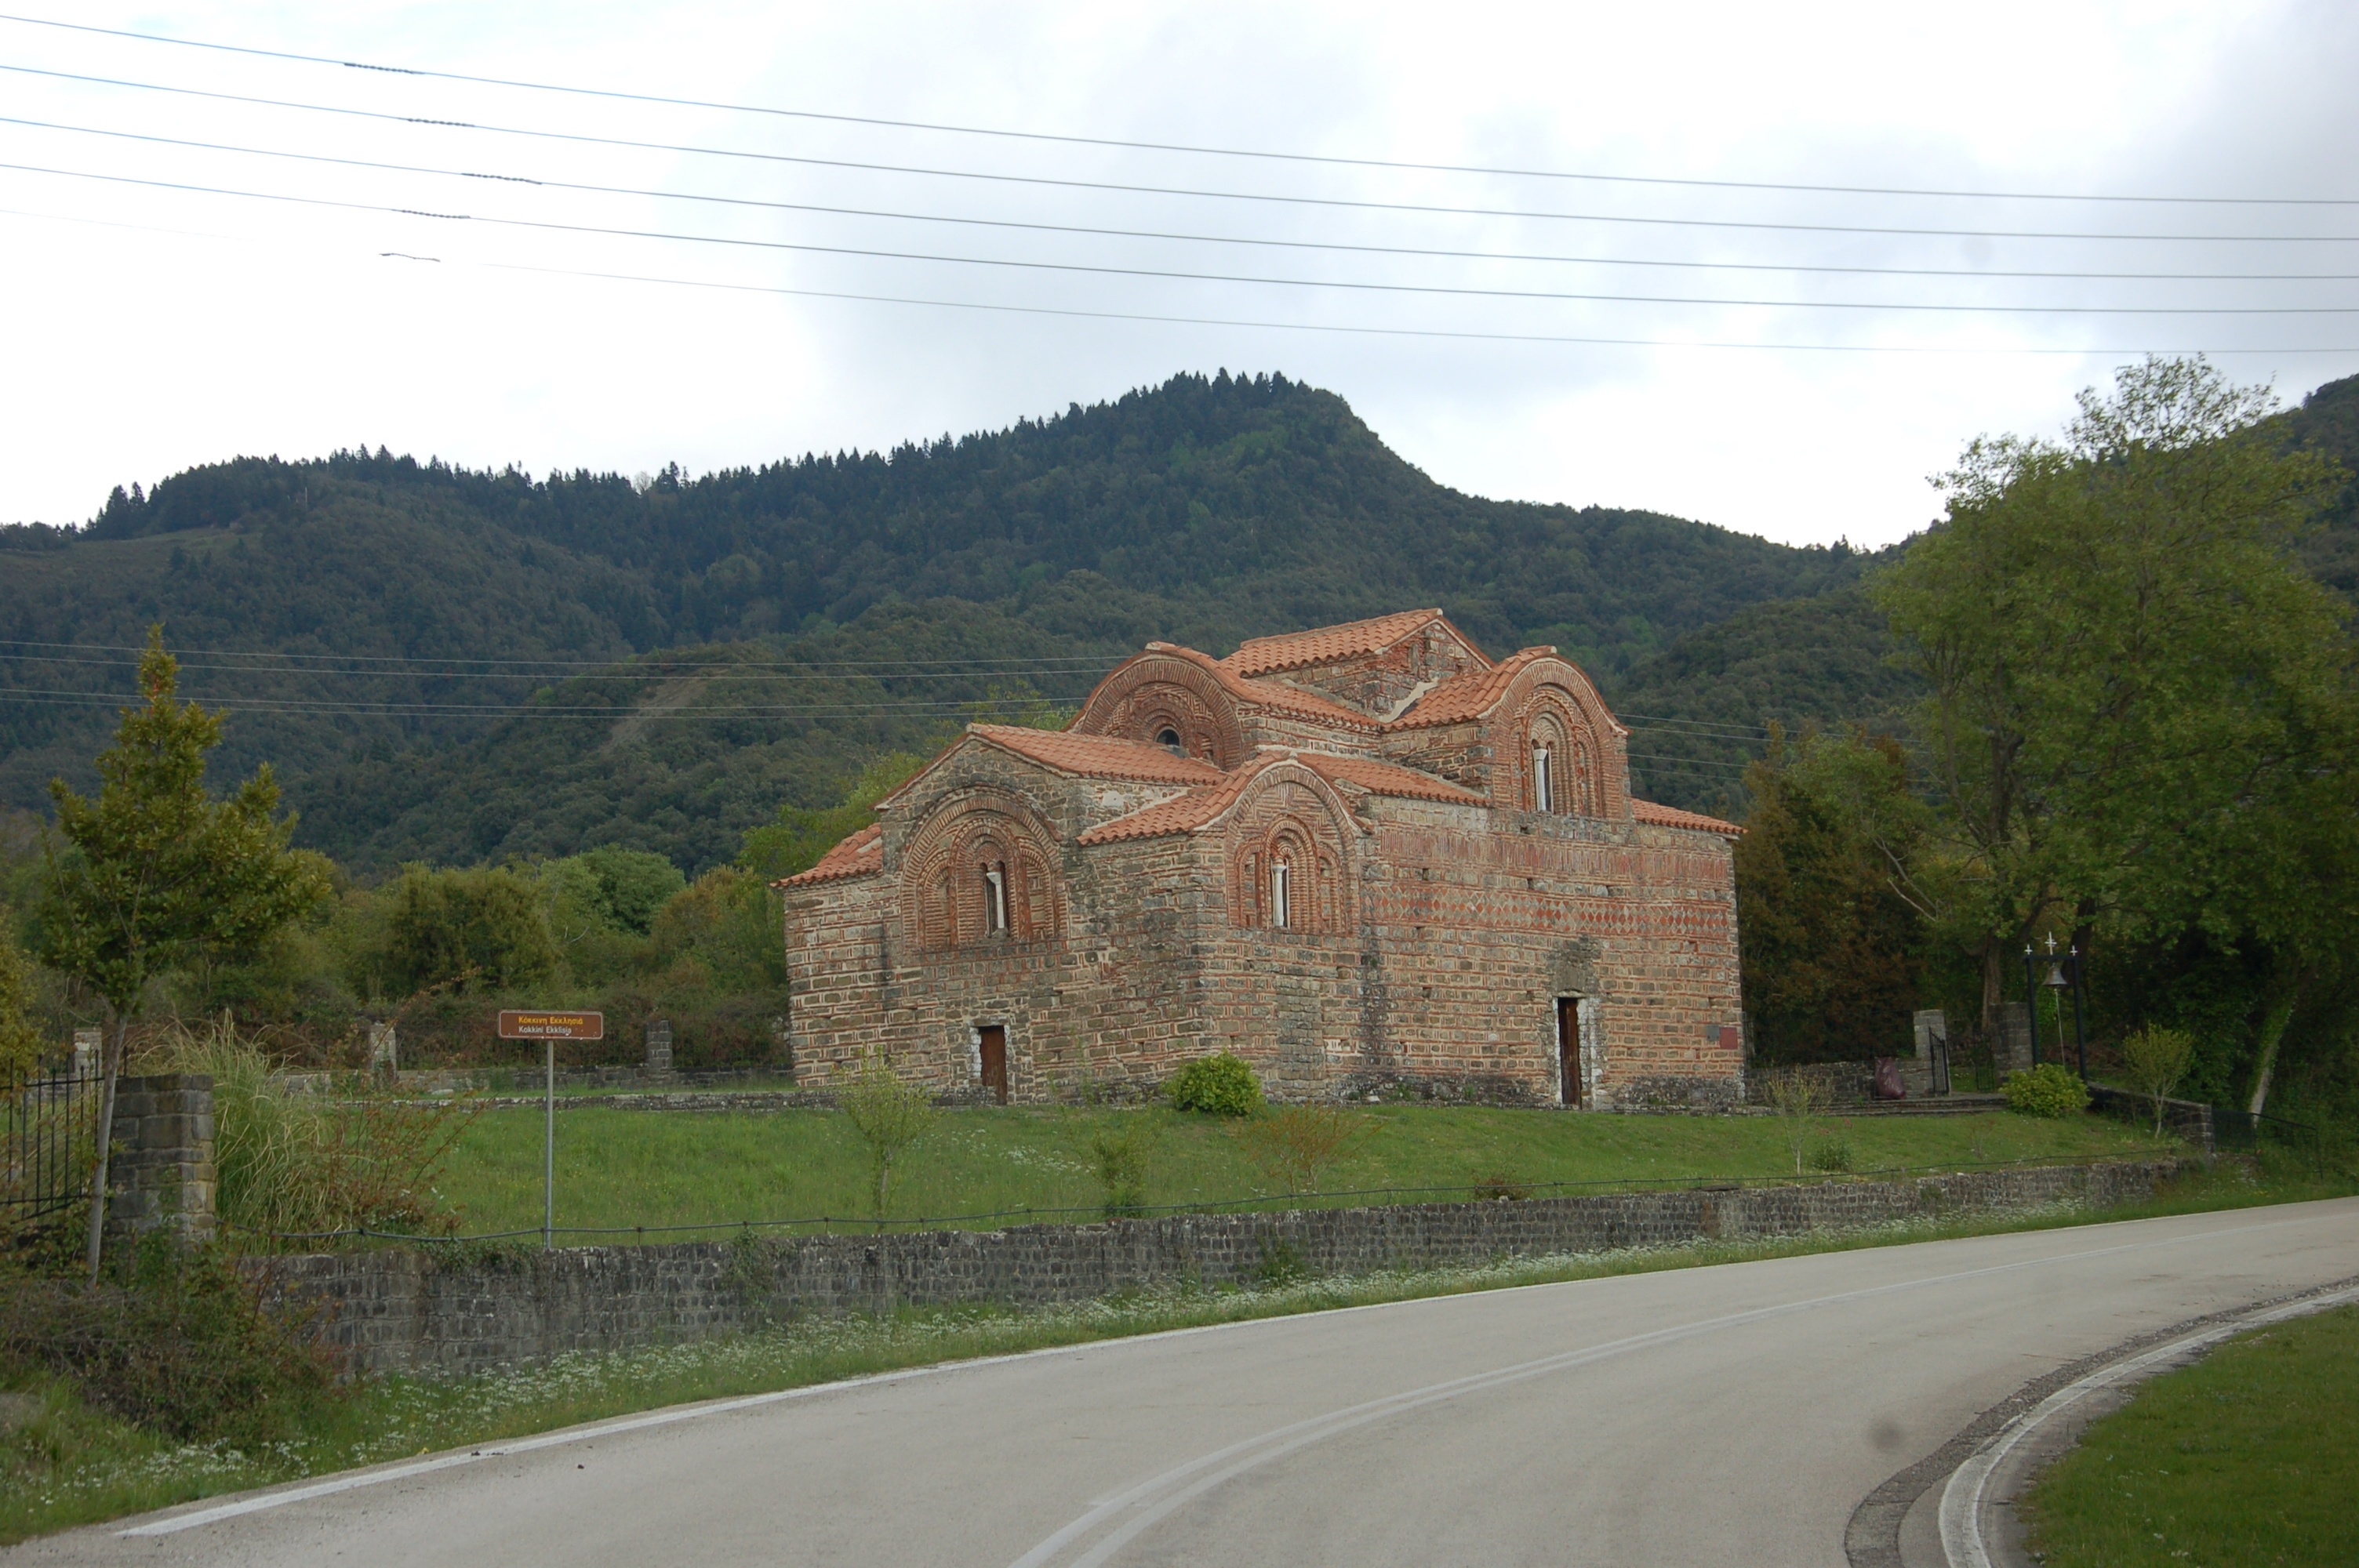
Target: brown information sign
(515, 1025)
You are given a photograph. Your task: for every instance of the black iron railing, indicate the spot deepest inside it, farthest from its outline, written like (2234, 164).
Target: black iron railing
(48, 1140)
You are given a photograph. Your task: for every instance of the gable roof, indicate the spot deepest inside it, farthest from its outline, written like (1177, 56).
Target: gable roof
(1385, 778)
(1469, 696)
(1269, 694)
(856, 856)
(1198, 807)
(1673, 817)
(1329, 644)
(1181, 814)
(1097, 756)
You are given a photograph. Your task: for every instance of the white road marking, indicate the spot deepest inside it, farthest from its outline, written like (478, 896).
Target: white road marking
(1966, 1495)
(1278, 1442)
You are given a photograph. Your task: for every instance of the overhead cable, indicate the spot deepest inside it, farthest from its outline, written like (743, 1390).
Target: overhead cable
(1199, 150)
(1140, 235)
(1176, 275)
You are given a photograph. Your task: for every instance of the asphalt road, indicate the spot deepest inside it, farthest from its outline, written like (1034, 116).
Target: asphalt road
(1730, 1416)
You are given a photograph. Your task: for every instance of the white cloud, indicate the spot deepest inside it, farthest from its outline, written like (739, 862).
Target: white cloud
(133, 352)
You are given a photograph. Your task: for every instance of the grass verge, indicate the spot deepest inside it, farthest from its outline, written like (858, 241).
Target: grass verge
(620, 1169)
(62, 1464)
(2249, 1457)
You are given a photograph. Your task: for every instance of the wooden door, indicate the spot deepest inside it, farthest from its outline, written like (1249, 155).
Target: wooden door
(995, 1060)
(1573, 1088)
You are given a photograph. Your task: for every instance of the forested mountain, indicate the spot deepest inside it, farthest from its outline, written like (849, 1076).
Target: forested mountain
(462, 665)
(396, 599)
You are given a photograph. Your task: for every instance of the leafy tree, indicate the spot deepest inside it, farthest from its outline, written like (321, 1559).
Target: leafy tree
(728, 924)
(2136, 690)
(1830, 945)
(889, 1114)
(2155, 1060)
(475, 930)
(800, 835)
(157, 872)
(20, 1043)
(623, 888)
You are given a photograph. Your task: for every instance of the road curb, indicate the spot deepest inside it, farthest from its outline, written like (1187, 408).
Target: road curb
(1872, 1537)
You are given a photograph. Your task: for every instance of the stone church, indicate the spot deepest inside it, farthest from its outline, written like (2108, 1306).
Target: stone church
(1367, 859)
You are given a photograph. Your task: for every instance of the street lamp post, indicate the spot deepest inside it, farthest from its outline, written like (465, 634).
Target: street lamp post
(2079, 1012)
(2031, 999)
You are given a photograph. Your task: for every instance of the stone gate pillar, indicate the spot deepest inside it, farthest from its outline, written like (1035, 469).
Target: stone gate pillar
(161, 1175)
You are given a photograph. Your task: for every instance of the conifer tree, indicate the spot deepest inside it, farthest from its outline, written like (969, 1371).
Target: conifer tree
(155, 871)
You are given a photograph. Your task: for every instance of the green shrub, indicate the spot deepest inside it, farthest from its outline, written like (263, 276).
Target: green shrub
(180, 1346)
(1831, 1153)
(2049, 1090)
(1218, 1084)
(1121, 1153)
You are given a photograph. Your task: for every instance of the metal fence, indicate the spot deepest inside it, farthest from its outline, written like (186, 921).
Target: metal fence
(48, 1140)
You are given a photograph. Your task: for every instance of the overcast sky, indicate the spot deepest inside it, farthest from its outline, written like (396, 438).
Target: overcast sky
(149, 328)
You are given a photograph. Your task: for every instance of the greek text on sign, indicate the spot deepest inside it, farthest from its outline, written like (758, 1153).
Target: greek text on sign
(516, 1025)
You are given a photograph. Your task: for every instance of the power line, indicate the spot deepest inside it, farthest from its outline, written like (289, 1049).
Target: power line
(1176, 275)
(1312, 158)
(1105, 232)
(1162, 318)
(418, 659)
(1586, 340)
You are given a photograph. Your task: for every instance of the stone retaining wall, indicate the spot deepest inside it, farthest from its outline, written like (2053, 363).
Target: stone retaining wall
(416, 1312)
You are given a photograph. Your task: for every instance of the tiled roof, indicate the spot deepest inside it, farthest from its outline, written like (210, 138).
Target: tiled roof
(1269, 694)
(1468, 695)
(1182, 814)
(1326, 644)
(1385, 778)
(1673, 817)
(855, 857)
(1097, 756)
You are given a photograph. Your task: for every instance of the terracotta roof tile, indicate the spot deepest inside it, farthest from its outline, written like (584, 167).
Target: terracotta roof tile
(856, 856)
(1097, 756)
(1325, 644)
(1673, 817)
(1468, 695)
(1182, 814)
(1270, 694)
(1385, 778)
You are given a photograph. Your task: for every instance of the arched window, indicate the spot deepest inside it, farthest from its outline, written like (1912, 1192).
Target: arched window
(979, 871)
(1584, 781)
(995, 898)
(1168, 739)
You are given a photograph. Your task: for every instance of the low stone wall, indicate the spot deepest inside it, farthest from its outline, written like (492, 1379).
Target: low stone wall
(418, 1312)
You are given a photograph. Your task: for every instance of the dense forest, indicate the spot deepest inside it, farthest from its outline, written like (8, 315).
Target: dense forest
(391, 601)
(457, 667)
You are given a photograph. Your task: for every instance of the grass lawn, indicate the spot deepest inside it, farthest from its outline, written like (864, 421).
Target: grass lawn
(2249, 1457)
(620, 1169)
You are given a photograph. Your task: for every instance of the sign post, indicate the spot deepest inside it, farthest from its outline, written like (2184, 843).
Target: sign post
(549, 1028)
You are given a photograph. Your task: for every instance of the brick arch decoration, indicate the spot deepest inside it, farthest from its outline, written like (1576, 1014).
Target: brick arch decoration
(1552, 704)
(1151, 696)
(1288, 815)
(945, 889)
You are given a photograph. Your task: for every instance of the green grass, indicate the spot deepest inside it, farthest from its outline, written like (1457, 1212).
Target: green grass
(2249, 1457)
(72, 1465)
(621, 1169)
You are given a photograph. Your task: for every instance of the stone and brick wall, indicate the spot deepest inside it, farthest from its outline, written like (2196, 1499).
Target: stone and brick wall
(410, 1312)
(1431, 942)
